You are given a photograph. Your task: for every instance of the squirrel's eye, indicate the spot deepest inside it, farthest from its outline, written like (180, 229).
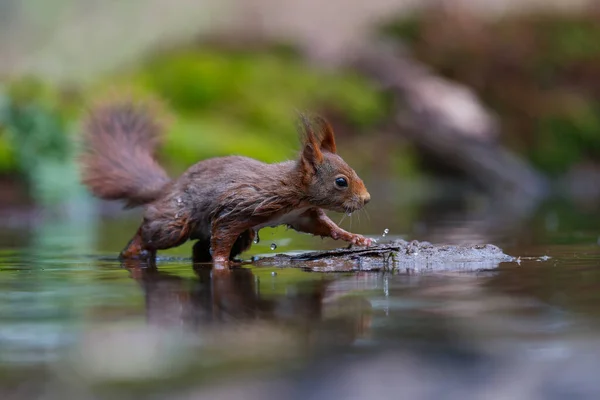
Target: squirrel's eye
(341, 182)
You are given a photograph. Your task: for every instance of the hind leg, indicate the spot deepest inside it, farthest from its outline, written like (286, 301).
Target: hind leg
(243, 243)
(201, 250)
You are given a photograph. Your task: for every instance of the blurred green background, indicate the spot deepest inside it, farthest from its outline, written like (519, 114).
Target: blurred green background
(234, 75)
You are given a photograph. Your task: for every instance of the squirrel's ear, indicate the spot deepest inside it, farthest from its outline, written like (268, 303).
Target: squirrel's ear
(328, 140)
(311, 152)
(311, 156)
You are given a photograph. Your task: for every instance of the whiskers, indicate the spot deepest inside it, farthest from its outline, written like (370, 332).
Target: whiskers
(350, 212)
(347, 213)
(363, 211)
(366, 213)
(343, 218)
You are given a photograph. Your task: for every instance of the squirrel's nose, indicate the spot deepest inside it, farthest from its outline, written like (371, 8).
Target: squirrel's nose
(366, 198)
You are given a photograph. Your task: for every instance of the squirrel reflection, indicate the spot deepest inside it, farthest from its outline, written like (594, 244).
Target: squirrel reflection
(233, 296)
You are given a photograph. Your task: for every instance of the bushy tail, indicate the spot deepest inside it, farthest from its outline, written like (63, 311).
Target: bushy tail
(119, 142)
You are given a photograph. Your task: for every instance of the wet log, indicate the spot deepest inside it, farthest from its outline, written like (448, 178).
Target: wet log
(396, 255)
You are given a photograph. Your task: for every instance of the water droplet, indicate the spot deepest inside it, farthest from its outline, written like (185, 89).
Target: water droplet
(349, 214)
(385, 232)
(179, 200)
(256, 237)
(273, 246)
(273, 273)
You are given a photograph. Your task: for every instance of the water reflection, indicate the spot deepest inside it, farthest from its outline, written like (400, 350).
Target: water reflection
(212, 297)
(215, 298)
(306, 334)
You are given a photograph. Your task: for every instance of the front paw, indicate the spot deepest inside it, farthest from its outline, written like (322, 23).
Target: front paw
(359, 240)
(222, 263)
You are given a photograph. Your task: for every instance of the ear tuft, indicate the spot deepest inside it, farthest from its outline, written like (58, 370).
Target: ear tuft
(311, 151)
(327, 136)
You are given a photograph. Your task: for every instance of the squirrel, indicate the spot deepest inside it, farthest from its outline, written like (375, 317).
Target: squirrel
(220, 202)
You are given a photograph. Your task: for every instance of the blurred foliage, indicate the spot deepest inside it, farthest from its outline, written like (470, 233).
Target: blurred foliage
(34, 142)
(223, 102)
(539, 72)
(232, 102)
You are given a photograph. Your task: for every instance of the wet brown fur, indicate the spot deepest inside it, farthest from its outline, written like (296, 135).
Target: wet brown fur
(219, 202)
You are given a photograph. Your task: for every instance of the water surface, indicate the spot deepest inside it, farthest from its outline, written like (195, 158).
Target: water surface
(76, 323)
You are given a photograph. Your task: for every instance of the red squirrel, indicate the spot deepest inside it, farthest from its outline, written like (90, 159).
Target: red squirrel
(220, 202)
